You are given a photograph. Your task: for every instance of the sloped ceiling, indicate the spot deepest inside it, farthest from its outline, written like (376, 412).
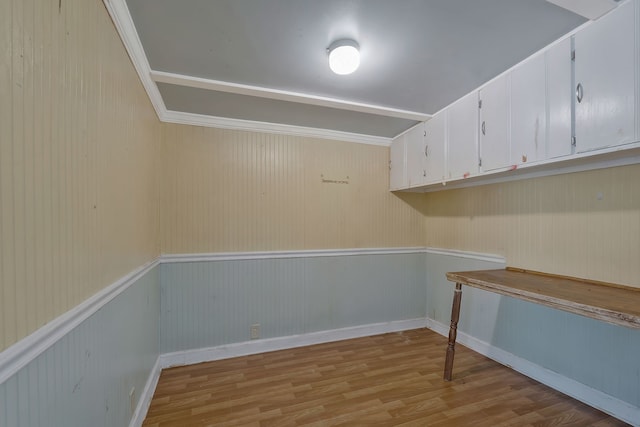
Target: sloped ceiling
(263, 63)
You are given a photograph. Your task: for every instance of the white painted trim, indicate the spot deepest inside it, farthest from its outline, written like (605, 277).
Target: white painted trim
(147, 394)
(469, 255)
(277, 128)
(121, 18)
(190, 357)
(621, 155)
(125, 27)
(602, 401)
(235, 256)
(27, 349)
(284, 95)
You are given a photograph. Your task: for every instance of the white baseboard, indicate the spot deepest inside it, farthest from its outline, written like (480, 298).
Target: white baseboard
(189, 357)
(599, 400)
(611, 405)
(147, 394)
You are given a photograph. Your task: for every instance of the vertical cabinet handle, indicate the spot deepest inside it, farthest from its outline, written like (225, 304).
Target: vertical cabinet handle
(579, 93)
(426, 150)
(483, 132)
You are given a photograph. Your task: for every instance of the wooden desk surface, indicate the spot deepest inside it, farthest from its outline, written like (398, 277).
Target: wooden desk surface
(609, 302)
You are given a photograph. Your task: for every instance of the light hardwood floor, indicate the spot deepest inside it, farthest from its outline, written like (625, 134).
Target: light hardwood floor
(385, 380)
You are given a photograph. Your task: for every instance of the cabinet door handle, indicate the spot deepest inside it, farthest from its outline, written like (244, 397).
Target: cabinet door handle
(579, 93)
(483, 132)
(426, 151)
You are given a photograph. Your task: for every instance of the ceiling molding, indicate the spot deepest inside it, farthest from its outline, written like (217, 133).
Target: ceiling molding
(125, 27)
(121, 18)
(283, 95)
(238, 124)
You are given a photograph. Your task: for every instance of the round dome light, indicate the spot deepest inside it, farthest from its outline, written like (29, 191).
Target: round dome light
(344, 57)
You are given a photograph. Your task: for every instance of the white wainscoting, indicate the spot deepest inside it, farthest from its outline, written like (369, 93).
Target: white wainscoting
(212, 300)
(80, 369)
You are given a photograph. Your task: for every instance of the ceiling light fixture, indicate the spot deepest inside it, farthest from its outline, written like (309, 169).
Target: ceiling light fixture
(344, 56)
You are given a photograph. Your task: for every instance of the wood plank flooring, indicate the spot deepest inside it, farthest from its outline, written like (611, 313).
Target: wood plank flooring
(386, 380)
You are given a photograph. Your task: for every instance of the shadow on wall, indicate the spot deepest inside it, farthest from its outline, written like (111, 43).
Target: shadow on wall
(417, 201)
(611, 189)
(584, 224)
(591, 352)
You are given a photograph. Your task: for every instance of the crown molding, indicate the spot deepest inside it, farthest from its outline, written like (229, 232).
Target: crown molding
(248, 125)
(125, 27)
(283, 95)
(121, 18)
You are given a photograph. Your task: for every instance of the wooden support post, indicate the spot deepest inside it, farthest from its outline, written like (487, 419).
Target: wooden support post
(453, 332)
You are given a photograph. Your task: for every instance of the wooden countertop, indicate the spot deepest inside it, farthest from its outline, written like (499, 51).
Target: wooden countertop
(613, 303)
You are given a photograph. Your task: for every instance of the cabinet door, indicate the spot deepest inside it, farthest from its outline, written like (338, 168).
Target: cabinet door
(397, 164)
(605, 80)
(528, 111)
(434, 148)
(462, 141)
(494, 124)
(416, 164)
(559, 99)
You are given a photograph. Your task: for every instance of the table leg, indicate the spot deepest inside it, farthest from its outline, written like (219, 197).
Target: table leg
(453, 331)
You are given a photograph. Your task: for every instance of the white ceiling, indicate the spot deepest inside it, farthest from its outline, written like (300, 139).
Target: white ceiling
(265, 61)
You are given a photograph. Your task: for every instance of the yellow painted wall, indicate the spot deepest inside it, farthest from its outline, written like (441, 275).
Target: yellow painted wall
(584, 224)
(79, 157)
(93, 186)
(228, 191)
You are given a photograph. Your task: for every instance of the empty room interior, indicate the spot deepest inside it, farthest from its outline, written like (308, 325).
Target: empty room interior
(337, 212)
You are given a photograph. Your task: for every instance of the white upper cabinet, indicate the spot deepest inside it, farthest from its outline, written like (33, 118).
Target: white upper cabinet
(494, 124)
(529, 111)
(605, 77)
(416, 162)
(434, 148)
(397, 164)
(462, 136)
(559, 99)
(574, 104)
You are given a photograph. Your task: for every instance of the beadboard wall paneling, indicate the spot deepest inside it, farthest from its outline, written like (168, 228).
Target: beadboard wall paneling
(79, 161)
(583, 224)
(594, 353)
(212, 303)
(85, 378)
(239, 191)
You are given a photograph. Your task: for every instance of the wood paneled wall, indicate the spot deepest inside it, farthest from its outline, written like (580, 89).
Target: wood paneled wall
(210, 304)
(228, 191)
(582, 224)
(79, 157)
